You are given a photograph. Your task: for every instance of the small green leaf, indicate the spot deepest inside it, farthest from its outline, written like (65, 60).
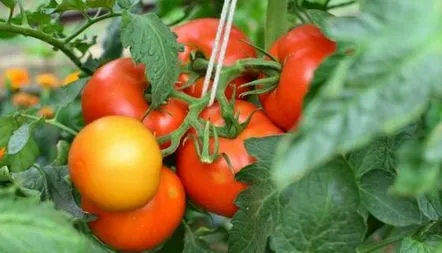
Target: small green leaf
(322, 214)
(431, 205)
(112, 42)
(24, 159)
(152, 43)
(369, 93)
(428, 244)
(384, 205)
(9, 3)
(60, 191)
(66, 94)
(108, 4)
(68, 5)
(19, 139)
(31, 181)
(320, 18)
(7, 127)
(193, 242)
(62, 153)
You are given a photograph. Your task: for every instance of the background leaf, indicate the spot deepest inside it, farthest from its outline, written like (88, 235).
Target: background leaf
(382, 204)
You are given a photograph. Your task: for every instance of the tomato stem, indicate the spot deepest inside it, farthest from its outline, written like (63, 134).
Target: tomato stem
(52, 122)
(90, 22)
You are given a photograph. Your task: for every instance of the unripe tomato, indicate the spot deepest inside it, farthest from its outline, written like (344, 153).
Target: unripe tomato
(144, 228)
(213, 186)
(199, 35)
(117, 88)
(116, 163)
(300, 52)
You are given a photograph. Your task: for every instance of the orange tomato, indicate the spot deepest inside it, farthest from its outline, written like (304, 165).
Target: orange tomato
(24, 100)
(146, 227)
(116, 163)
(18, 77)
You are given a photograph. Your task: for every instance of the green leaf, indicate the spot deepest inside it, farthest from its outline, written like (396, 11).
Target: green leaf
(380, 155)
(25, 158)
(416, 175)
(259, 205)
(320, 18)
(382, 204)
(68, 5)
(112, 42)
(126, 4)
(62, 153)
(31, 181)
(193, 242)
(9, 3)
(152, 43)
(67, 94)
(60, 191)
(428, 245)
(175, 243)
(369, 94)
(321, 207)
(431, 205)
(433, 149)
(108, 4)
(29, 226)
(19, 139)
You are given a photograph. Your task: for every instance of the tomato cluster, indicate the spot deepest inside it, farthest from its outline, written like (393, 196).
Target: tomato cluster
(116, 162)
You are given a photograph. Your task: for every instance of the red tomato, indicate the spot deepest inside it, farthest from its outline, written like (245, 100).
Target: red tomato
(213, 186)
(117, 88)
(144, 228)
(199, 35)
(300, 52)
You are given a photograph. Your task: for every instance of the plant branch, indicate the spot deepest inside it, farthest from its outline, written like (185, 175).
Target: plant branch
(341, 5)
(89, 23)
(59, 44)
(50, 122)
(11, 14)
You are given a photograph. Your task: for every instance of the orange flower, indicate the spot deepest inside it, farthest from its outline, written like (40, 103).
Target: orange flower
(24, 100)
(2, 152)
(47, 80)
(72, 77)
(46, 112)
(18, 77)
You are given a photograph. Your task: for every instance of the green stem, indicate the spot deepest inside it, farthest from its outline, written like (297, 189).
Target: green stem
(48, 39)
(184, 97)
(89, 23)
(380, 245)
(340, 5)
(11, 14)
(276, 22)
(50, 122)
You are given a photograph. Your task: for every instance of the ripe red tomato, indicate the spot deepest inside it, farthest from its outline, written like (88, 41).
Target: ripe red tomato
(300, 52)
(199, 35)
(117, 88)
(116, 162)
(2, 152)
(213, 186)
(146, 227)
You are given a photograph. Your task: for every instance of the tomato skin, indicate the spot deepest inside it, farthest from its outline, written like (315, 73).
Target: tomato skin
(199, 35)
(117, 88)
(2, 152)
(146, 227)
(109, 165)
(213, 186)
(300, 52)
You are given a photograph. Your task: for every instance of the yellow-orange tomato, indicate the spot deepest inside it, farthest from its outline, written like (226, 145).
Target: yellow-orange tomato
(24, 100)
(2, 152)
(116, 163)
(18, 77)
(46, 112)
(47, 80)
(146, 227)
(72, 77)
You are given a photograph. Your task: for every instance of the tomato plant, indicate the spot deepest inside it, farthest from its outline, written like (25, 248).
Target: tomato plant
(320, 130)
(113, 170)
